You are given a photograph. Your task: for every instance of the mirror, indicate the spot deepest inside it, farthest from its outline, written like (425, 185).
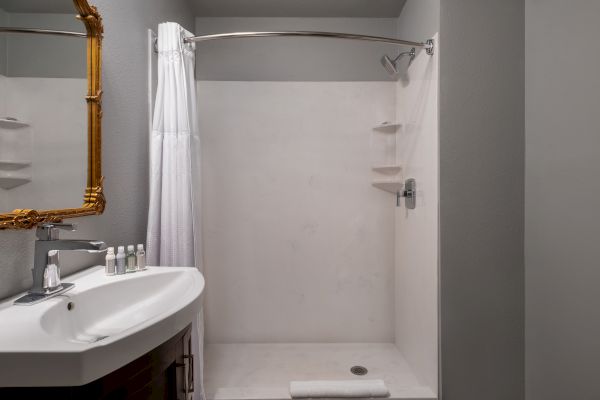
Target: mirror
(50, 108)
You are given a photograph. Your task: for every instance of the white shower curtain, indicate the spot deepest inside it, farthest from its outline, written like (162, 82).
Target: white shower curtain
(173, 229)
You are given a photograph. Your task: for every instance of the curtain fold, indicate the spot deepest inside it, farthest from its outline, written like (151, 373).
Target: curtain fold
(173, 235)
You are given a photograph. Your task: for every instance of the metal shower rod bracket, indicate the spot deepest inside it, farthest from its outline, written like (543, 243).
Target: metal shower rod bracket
(429, 46)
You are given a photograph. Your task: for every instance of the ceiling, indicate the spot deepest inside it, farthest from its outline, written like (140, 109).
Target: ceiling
(298, 8)
(38, 6)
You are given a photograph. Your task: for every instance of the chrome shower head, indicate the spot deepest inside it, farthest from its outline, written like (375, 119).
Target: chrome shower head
(391, 66)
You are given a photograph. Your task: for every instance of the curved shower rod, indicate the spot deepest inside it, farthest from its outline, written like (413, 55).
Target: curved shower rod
(427, 45)
(42, 31)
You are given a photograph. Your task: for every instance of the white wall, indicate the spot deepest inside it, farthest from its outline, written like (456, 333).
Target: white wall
(562, 223)
(293, 59)
(298, 246)
(55, 142)
(416, 289)
(417, 230)
(3, 97)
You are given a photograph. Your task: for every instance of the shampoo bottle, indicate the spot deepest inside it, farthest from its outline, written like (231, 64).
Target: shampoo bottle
(121, 262)
(131, 258)
(141, 257)
(110, 261)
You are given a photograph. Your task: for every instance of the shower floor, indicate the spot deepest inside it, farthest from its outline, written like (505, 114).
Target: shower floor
(263, 371)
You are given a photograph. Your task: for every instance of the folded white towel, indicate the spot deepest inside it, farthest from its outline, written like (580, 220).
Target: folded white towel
(339, 389)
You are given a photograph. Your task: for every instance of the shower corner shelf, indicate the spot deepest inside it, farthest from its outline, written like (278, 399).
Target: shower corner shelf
(11, 165)
(387, 169)
(12, 124)
(389, 185)
(9, 182)
(389, 127)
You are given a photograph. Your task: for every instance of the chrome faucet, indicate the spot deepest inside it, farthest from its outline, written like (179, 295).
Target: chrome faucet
(46, 266)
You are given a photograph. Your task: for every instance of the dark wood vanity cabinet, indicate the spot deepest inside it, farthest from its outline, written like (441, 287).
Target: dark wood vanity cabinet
(164, 373)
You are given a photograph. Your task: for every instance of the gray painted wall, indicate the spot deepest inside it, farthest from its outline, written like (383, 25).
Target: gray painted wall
(38, 6)
(125, 138)
(42, 55)
(481, 199)
(420, 19)
(3, 22)
(562, 232)
(298, 8)
(293, 59)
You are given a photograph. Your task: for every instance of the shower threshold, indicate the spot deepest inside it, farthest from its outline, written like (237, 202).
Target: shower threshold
(247, 371)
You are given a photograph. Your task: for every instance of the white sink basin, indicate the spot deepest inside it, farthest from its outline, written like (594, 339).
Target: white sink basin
(103, 323)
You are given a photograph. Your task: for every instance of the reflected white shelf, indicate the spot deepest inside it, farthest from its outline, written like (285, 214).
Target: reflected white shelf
(11, 165)
(387, 169)
(9, 182)
(389, 185)
(389, 127)
(12, 124)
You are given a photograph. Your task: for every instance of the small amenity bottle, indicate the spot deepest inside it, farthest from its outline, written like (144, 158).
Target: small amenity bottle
(131, 259)
(121, 262)
(110, 261)
(141, 257)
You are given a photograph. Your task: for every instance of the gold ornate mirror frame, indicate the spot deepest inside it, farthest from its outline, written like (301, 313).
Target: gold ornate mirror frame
(93, 200)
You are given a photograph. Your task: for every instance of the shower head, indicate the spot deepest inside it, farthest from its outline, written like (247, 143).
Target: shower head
(391, 66)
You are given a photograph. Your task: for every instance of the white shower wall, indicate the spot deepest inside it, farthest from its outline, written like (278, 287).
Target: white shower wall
(3, 98)
(416, 272)
(417, 241)
(298, 247)
(55, 142)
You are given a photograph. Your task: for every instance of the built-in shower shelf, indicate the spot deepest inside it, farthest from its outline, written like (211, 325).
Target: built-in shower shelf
(9, 123)
(389, 185)
(9, 182)
(387, 169)
(388, 127)
(11, 165)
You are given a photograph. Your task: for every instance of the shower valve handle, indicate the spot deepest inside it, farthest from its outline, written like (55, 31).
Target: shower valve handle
(409, 193)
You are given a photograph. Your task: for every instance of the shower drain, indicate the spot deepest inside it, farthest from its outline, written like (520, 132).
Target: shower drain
(359, 370)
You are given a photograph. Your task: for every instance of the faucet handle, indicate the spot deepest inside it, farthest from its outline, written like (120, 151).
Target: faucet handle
(49, 230)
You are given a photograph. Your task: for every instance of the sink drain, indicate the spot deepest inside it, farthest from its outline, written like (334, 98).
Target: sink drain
(359, 370)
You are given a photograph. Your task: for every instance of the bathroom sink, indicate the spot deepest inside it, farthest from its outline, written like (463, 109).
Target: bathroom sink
(103, 323)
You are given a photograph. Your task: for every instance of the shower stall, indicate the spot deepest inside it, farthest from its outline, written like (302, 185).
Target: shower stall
(319, 180)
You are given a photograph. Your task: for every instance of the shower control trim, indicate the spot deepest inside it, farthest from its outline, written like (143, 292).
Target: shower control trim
(409, 193)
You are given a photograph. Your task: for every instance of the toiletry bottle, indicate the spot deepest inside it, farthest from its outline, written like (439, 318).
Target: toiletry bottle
(141, 257)
(110, 261)
(121, 262)
(131, 258)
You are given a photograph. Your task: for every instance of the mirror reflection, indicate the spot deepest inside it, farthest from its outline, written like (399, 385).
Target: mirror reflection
(43, 114)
